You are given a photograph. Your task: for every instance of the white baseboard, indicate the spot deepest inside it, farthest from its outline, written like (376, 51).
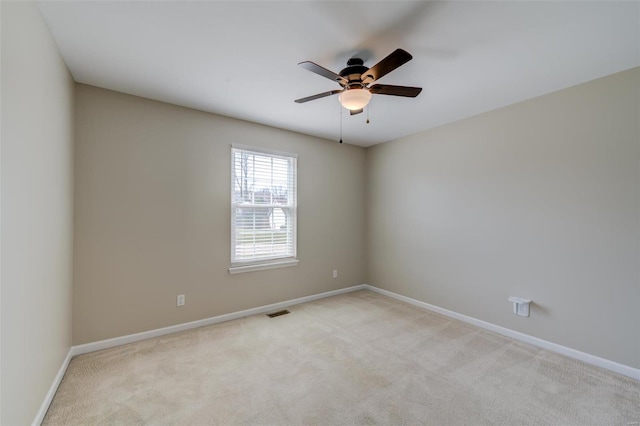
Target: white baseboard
(572, 353)
(52, 390)
(117, 341)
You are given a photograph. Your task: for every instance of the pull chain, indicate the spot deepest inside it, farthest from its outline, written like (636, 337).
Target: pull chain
(368, 106)
(341, 124)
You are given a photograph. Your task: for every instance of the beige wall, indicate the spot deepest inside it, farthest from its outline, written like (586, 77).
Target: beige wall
(153, 216)
(37, 207)
(539, 199)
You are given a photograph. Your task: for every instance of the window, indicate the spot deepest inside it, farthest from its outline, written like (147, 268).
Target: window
(263, 209)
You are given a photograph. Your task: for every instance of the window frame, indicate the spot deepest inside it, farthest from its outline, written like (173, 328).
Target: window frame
(271, 262)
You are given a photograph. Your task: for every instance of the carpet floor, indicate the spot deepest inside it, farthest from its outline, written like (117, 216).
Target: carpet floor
(357, 358)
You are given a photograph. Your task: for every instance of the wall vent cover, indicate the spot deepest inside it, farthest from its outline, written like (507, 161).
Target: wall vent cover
(277, 314)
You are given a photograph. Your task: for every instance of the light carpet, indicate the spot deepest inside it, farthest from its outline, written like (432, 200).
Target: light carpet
(357, 358)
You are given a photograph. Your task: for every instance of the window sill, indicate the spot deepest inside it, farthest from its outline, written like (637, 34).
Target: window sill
(263, 266)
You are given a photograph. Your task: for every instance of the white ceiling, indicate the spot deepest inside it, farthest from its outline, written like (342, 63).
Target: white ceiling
(239, 58)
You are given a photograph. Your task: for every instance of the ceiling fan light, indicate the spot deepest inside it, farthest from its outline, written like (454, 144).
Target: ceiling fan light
(354, 99)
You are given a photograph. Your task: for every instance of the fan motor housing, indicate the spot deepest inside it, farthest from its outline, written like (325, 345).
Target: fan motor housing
(353, 72)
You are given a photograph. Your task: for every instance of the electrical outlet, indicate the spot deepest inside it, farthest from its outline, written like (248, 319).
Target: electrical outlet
(180, 301)
(335, 273)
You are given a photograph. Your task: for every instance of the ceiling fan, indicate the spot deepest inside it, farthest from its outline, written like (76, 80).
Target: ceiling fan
(356, 78)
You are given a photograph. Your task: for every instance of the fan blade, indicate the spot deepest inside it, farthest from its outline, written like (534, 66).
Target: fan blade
(387, 89)
(318, 96)
(355, 111)
(315, 68)
(397, 58)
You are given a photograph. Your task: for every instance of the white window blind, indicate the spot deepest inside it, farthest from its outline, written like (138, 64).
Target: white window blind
(263, 206)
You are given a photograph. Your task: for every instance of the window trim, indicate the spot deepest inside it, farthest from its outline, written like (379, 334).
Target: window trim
(277, 262)
(262, 266)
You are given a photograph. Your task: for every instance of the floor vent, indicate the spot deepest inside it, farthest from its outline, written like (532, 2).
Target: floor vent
(277, 314)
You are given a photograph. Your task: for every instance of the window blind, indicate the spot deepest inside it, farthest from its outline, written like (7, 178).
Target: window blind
(263, 206)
